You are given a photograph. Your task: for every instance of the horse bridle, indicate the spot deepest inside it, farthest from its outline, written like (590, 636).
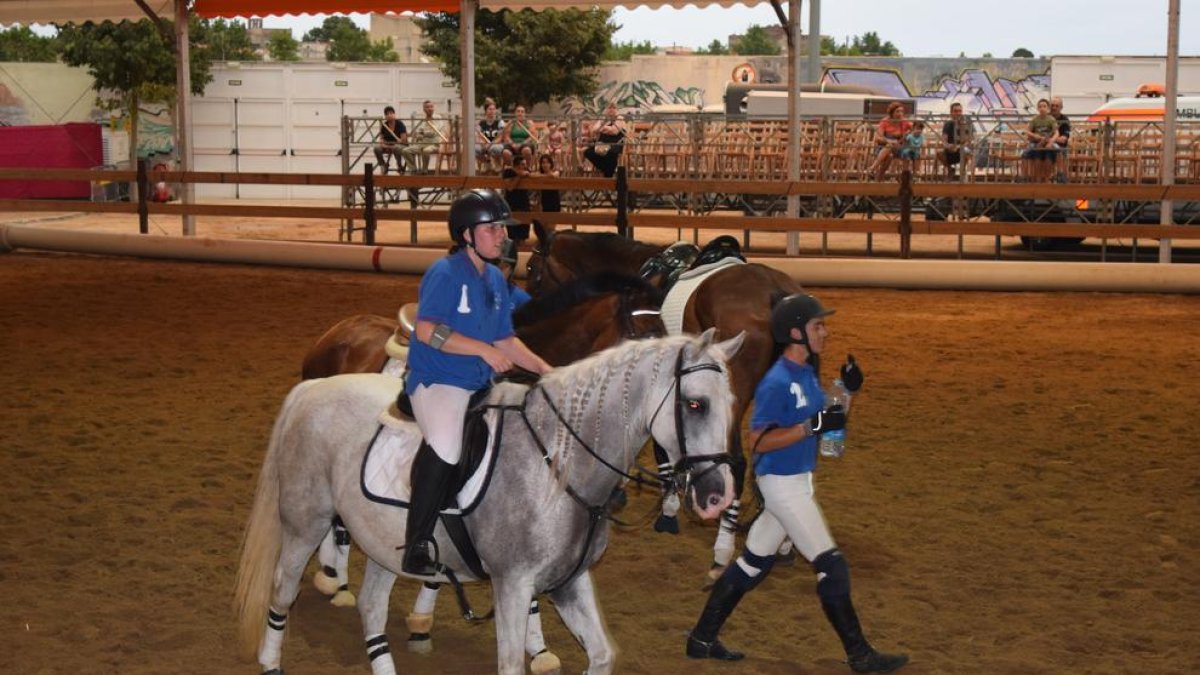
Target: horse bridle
(542, 270)
(627, 315)
(686, 464)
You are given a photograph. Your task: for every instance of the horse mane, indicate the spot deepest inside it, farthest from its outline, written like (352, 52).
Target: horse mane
(577, 291)
(603, 244)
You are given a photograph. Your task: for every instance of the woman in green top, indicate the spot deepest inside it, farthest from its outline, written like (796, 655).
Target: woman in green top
(1039, 157)
(518, 137)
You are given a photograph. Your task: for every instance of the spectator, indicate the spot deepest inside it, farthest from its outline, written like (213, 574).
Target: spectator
(429, 137)
(910, 150)
(488, 147)
(518, 138)
(556, 139)
(1039, 156)
(517, 197)
(888, 136)
(392, 136)
(1061, 137)
(608, 136)
(551, 200)
(957, 136)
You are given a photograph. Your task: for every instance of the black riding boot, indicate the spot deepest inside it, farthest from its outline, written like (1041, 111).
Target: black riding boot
(702, 642)
(861, 656)
(430, 482)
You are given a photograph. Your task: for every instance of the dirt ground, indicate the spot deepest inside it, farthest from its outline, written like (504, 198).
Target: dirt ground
(1020, 492)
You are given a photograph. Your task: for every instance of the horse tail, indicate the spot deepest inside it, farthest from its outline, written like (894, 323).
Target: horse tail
(261, 540)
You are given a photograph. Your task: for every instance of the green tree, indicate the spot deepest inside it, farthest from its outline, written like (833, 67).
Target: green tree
(19, 43)
(867, 44)
(226, 41)
(281, 46)
(715, 48)
(383, 50)
(331, 24)
(133, 63)
(624, 51)
(757, 41)
(1022, 53)
(525, 57)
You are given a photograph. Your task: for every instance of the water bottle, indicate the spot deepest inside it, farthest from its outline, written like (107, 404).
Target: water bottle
(833, 443)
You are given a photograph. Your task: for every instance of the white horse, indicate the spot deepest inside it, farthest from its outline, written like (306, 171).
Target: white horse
(539, 527)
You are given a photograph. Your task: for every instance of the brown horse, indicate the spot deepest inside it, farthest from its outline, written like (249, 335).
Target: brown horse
(561, 257)
(733, 299)
(584, 316)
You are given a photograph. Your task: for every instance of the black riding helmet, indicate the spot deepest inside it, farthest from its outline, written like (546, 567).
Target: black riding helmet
(478, 207)
(795, 311)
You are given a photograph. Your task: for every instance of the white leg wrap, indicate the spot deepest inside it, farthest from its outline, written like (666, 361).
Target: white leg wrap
(419, 623)
(426, 601)
(724, 547)
(535, 642)
(272, 643)
(381, 658)
(670, 505)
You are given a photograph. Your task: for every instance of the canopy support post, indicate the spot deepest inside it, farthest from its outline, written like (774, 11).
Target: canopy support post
(793, 146)
(1166, 214)
(183, 113)
(466, 132)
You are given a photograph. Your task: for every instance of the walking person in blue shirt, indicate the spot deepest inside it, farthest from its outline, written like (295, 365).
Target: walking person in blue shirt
(789, 417)
(464, 334)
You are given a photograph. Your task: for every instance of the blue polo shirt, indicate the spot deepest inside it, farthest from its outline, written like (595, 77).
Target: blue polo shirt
(473, 304)
(518, 296)
(787, 395)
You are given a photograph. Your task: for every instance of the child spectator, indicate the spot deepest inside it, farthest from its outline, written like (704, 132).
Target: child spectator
(910, 147)
(517, 197)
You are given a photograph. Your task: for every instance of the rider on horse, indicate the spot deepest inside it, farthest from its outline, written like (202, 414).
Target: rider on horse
(464, 334)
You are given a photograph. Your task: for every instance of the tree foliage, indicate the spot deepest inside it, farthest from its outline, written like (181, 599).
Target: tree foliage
(714, 48)
(624, 51)
(133, 62)
(281, 46)
(348, 42)
(225, 40)
(867, 44)
(1022, 53)
(757, 41)
(19, 43)
(525, 57)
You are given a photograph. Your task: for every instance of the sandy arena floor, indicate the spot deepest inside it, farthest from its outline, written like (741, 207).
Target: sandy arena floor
(1020, 493)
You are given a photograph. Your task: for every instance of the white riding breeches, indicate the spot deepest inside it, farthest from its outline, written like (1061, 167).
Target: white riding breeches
(440, 410)
(790, 510)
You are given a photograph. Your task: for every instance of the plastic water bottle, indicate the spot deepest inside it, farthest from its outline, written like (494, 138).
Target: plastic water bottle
(833, 443)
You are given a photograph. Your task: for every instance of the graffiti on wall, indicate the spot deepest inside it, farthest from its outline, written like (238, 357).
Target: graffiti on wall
(983, 86)
(12, 108)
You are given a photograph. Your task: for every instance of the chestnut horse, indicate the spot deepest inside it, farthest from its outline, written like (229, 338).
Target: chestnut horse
(732, 299)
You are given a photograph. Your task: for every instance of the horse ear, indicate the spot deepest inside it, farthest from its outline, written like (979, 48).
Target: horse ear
(706, 338)
(543, 234)
(729, 348)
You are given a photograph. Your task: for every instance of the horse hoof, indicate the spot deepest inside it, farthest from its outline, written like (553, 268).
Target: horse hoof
(420, 643)
(786, 559)
(545, 663)
(326, 584)
(668, 524)
(343, 598)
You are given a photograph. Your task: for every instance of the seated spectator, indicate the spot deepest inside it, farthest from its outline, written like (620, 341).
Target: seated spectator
(429, 137)
(1039, 156)
(517, 197)
(910, 148)
(392, 137)
(518, 137)
(1061, 137)
(608, 138)
(488, 145)
(556, 139)
(957, 136)
(889, 136)
(551, 200)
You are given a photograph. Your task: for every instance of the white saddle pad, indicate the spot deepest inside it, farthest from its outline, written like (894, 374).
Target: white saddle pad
(677, 298)
(388, 466)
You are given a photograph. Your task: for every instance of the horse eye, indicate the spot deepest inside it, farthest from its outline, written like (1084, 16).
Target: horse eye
(697, 405)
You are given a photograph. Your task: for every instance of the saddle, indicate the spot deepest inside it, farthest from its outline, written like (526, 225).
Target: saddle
(397, 344)
(681, 257)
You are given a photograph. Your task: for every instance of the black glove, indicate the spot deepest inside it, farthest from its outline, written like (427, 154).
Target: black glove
(852, 375)
(829, 419)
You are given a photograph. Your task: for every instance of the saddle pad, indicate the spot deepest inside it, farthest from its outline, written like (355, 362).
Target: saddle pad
(387, 466)
(677, 298)
(394, 366)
